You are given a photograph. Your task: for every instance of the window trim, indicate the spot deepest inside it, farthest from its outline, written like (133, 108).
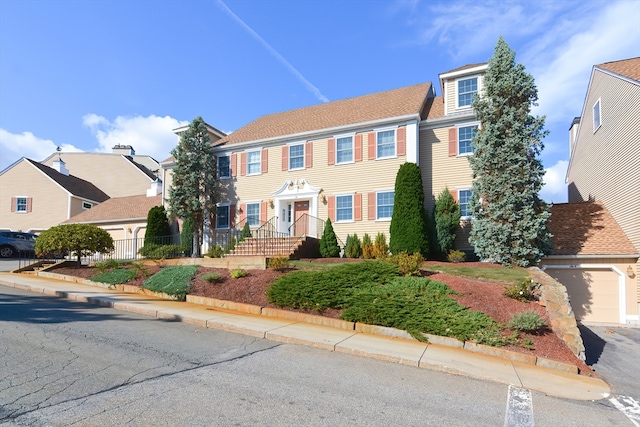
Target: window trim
(304, 155)
(259, 162)
(598, 104)
(395, 143)
(343, 221)
(457, 86)
(84, 202)
(227, 155)
(246, 214)
(26, 204)
(459, 190)
(378, 192)
(460, 126)
(228, 206)
(353, 154)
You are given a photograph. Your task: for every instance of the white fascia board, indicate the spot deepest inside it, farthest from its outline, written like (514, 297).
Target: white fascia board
(464, 72)
(577, 257)
(452, 119)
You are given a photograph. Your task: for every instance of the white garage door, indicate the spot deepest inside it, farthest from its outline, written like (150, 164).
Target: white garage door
(594, 293)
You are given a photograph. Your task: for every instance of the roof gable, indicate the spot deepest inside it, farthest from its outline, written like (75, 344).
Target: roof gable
(587, 228)
(74, 185)
(400, 102)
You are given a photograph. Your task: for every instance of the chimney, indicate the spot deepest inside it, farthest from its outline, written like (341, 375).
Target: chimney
(126, 150)
(59, 166)
(156, 188)
(573, 133)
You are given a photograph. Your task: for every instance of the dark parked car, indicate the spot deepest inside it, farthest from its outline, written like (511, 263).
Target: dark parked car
(12, 242)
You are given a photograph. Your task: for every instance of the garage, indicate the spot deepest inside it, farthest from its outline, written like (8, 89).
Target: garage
(594, 293)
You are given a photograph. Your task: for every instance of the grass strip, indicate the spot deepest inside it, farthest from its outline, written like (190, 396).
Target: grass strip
(116, 276)
(174, 281)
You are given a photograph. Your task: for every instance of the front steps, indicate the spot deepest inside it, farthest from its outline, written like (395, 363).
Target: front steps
(291, 247)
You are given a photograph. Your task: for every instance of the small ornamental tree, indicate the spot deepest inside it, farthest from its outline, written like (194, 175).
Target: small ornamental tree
(329, 242)
(157, 225)
(353, 247)
(447, 218)
(408, 229)
(193, 187)
(509, 223)
(79, 239)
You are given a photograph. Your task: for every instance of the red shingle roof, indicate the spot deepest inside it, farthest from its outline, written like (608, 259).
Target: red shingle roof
(587, 228)
(627, 67)
(377, 106)
(118, 209)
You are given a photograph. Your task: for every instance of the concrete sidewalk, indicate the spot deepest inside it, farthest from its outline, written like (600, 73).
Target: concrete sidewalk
(432, 356)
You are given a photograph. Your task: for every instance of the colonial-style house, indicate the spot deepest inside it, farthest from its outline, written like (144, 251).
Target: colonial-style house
(604, 167)
(290, 171)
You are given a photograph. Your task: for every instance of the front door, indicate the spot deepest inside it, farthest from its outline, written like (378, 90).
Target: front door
(301, 214)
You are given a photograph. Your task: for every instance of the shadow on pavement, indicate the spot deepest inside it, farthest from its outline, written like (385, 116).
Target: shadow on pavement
(594, 345)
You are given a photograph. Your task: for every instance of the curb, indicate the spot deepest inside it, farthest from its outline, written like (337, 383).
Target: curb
(301, 317)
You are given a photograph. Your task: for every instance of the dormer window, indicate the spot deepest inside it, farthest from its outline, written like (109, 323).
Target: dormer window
(467, 88)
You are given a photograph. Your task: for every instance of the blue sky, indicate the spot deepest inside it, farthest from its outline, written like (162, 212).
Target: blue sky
(86, 75)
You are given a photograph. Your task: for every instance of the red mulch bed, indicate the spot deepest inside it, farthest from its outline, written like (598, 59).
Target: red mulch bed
(483, 296)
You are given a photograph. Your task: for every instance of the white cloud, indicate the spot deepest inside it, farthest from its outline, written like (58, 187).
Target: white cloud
(151, 135)
(555, 189)
(15, 146)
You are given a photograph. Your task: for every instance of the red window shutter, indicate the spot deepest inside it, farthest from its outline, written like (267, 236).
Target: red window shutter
(453, 141)
(242, 213)
(308, 155)
(358, 148)
(331, 149)
(401, 141)
(234, 166)
(371, 205)
(357, 207)
(285, 158)
(264, 160)
(232, 216)
(29, 203)
(243, 164)
(263, 212)
(13, 204)
(372, 146)
(331, 206)
(454, 194)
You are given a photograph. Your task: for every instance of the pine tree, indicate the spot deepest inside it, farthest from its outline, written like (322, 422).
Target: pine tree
(329, 242)
(408, 229)
(447, 220)
(509, 220)
(193, 189)
(186, 235)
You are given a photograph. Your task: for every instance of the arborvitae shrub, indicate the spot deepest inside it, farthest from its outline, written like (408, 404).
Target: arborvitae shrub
(380, 247)
(446, 214)
(329, 242)
(245, 233)
(367, 247)
(353, 248)
(157, 225)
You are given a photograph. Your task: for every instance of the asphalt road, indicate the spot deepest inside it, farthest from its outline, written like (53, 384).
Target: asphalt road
(69, 363)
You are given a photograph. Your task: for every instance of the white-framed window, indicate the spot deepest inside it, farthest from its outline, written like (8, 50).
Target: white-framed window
(344, 208)
(466, 89)
(465, 135)
(597, 117)
(384, 204)
(386, 144)
(296, 156)
(224, 166)
(464, 201)
(253, 214)
(253, 162)
(86, 205)
(222, 216)
(21, 204)
(344, 149)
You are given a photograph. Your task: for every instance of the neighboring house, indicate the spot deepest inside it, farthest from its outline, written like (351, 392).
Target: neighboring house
(34, 197)
(605, 167)
(291, 171)
(119, 173)
(27, 204)
(595, 261)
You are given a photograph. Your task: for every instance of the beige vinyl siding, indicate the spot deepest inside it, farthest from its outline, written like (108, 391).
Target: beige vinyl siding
(111, 173)
(450, 95)
(50, 203)
(361, 177)
(166, 183)
(605, 165)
